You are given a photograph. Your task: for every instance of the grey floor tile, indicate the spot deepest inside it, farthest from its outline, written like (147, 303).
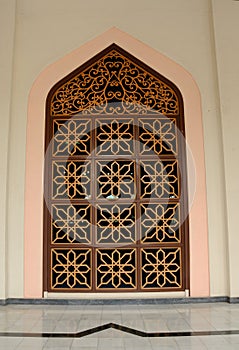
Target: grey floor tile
(110, 343)
(222, 347)
(137, 343)
(214, 340)
(32, 342)
(193, 347)
(163, 343)
(9, 342)
(188, 341)
(58, 343)
(88, 341)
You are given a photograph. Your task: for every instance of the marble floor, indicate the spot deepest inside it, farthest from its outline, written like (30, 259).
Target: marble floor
(168, 326)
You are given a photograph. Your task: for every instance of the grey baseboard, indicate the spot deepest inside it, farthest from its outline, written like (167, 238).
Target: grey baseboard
(234, 300)
(22, 301)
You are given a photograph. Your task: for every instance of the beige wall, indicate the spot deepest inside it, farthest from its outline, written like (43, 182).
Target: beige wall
(47, 30)
(226, 22)
(7, 28)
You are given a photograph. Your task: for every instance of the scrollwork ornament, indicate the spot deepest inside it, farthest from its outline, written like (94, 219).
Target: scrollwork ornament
(114, 85)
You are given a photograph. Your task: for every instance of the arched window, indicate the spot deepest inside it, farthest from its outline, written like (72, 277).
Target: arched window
(115, 180)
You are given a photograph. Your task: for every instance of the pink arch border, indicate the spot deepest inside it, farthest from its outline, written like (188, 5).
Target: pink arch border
(33, 225)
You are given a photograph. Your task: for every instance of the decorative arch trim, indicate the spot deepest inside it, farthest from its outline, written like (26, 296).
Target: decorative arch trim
(199, 266)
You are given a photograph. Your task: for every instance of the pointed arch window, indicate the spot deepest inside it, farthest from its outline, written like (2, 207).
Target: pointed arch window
(115, 180)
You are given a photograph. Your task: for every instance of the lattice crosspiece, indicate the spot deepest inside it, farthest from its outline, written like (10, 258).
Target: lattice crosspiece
(115, 179)
(160, 223)
(114, 85)
(71, 224)
(71, 137)
(161, 268)
(116, 224)
(71, 268)
(159, 179)
(157, 136)
(115, 137)
(71, 179)
(116, 268)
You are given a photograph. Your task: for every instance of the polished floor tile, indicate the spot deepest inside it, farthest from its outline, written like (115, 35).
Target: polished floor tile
(139, 320)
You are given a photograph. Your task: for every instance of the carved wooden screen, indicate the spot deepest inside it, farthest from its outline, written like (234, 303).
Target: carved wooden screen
(115, 180)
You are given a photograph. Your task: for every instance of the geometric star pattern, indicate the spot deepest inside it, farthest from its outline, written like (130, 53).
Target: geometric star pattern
(159, 179)
(116, 178)
(157, 136)
(115, 137)
(71, 180)
(72, 268)
(116, 224)
(71, 137)
(116, 269)
(160, 223)
(71, 224)
(161, 268)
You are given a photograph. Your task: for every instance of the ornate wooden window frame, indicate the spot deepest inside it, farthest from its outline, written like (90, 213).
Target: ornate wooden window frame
(175, 110)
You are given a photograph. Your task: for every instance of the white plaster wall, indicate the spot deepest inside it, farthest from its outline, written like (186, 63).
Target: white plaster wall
(226, 21)
(7, 28)
(182, 30)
